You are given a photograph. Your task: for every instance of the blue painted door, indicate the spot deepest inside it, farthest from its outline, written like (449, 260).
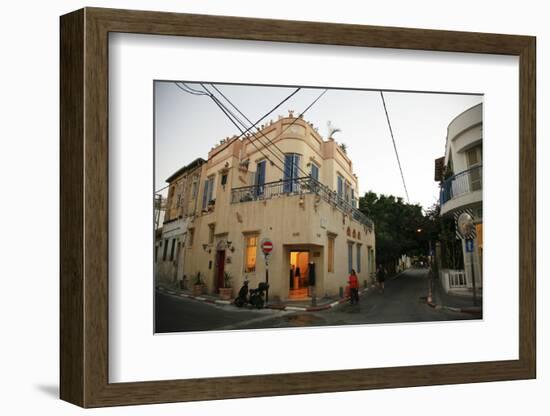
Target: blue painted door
(260, 177)
(292, 163)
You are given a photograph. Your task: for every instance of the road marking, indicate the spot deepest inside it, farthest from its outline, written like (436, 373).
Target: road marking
(252, 321)
(294, 308)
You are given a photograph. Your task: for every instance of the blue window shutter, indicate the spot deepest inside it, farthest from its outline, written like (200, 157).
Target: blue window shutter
(260, 177)
(292, 166)
(295, 169)
(205, 194)
(340, 186)
(210, 189)
(287, 174)
(350, 257)
(314, 171)
(358, 258)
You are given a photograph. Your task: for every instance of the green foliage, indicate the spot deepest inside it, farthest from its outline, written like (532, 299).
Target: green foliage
(344, 147)
(403, 228)
(397, 227)
(451, 248)
(227, 278)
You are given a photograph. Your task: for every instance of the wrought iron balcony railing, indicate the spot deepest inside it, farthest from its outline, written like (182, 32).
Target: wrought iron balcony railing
(305, 185)
(462, 183)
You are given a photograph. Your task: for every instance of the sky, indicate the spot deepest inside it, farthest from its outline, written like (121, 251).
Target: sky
(187, 126)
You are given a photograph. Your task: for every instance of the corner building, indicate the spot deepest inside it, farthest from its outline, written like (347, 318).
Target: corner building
(290, 186)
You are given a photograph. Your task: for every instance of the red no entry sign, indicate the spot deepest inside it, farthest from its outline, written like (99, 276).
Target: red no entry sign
(267, 246)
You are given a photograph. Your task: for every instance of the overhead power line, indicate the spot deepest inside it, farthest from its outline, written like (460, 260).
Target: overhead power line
(246, 118)
(395, 146)
(236, 119)
(272, 143)
(231, 118)
(281, 168)
(190, 90)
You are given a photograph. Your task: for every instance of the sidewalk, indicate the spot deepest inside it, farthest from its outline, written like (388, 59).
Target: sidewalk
(454, 302)
(292, 305)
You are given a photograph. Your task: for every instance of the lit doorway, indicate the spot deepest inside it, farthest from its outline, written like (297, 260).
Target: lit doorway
(298, 275)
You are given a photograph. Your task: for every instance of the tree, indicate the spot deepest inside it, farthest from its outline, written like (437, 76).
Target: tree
(397, 224)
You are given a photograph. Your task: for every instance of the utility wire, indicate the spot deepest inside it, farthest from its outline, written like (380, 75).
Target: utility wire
(189, 91)
(395, 146)
(230, 115)
(244, 125)
(256, 127)
(162, 189)
(271, 142)
(243, 133)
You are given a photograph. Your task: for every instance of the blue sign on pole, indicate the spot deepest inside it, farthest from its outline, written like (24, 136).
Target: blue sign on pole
(469, 246)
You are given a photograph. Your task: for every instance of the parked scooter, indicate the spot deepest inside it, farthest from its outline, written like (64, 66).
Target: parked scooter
(242, 297)
(254, 298)
(257, 297)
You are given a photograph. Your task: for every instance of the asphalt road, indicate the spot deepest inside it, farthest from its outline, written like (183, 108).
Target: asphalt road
(177, 314)
(402, 301)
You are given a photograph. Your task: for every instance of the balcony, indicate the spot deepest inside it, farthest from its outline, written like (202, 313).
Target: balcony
(461, 189)
(298, 186)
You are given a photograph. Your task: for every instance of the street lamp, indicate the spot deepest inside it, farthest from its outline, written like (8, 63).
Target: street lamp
(430, 268)
(420, 230)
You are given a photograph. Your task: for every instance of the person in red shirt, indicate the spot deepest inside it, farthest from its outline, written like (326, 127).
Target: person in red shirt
(353, 287)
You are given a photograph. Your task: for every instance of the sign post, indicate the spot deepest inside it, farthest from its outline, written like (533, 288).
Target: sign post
(466, 227)
(267, 247)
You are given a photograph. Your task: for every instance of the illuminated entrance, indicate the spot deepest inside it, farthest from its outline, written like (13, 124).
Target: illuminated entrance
(298, 280)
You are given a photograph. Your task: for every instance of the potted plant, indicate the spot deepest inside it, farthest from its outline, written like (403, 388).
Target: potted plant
(198, 285)
(226, 292)
(211, 205)
(183, 283)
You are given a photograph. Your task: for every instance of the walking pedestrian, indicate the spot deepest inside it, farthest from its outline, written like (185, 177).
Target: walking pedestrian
(381, 278)
(353, 287)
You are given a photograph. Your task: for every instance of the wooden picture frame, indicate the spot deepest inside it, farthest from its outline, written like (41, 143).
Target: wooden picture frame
(84, 207)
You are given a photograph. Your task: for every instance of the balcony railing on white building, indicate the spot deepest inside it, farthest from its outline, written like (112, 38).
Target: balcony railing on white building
(460, 184)
(297, 186)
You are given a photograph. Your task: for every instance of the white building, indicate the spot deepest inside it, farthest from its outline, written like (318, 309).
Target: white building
(460, 173)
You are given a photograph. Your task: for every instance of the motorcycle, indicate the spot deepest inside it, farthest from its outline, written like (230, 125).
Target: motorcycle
(242, 296)
(253, 298)
(256, 298)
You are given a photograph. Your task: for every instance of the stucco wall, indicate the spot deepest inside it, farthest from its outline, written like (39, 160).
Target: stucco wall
(290, 224)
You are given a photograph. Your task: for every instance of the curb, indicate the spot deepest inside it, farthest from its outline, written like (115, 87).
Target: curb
(280, 307)
(470, 310)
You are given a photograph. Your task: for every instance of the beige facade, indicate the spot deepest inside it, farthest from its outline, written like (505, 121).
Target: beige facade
(180, 207)
(292, 187)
